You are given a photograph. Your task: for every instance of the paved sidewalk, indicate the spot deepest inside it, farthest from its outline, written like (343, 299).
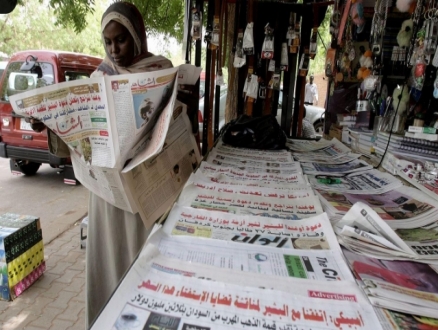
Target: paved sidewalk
(56, 301)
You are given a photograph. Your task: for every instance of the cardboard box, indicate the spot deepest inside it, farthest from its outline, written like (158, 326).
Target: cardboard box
(335, 132)
(21, 253)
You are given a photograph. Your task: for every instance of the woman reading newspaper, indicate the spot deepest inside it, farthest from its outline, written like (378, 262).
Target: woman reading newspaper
(115, 236)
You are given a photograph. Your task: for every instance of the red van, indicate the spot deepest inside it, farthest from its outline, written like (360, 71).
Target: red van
(25, 148)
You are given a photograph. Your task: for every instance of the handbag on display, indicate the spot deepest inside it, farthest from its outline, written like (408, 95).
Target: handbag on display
(254, 133)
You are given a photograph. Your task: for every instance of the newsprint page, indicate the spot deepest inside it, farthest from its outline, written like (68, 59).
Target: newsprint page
(130, 140)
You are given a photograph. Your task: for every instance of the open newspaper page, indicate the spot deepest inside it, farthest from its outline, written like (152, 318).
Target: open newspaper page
(112, 124)
(162, 293)
(328, 265)
(156, 182)
(400, 208)
(363, 231)
(369, 182)
(397, 284)
(314, 233)
(275, 207)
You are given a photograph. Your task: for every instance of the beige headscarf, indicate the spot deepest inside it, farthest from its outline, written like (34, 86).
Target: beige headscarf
(128, 15)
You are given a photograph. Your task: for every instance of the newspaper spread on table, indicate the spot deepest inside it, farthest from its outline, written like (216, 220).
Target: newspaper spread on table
(233, 172)
(362, 230)
(397, 284)
(315, 233)
(112, 124)
(162, 293)
(326, 265)
(275, 207)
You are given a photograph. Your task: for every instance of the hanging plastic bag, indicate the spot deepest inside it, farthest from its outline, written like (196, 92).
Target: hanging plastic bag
(268, 43)
(239, 56)
(216, 31)
(248, 39)
(253, 87)
(284, 61)
(196, 31)
(220, 79)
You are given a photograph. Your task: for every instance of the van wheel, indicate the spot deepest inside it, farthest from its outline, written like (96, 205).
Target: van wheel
(27, 168)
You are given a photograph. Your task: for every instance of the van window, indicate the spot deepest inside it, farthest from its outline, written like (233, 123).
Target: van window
(16, 81)
(71, 75)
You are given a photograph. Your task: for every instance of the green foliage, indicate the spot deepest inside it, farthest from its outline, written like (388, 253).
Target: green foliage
(318, 64)
(161, 17)
(32, 26)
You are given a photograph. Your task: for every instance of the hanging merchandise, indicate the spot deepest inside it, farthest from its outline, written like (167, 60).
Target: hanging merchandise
(313, 43)
(248, 39)
(215, 35)
(268, 43)
(274, 83)
(419, 73)
(284, 61)
(220, 78)
(330, 59)
(295, 46)
(334, 23)
(196, 31)
(400, 99)
(366, 63)
(418, 50)
(378, 26)
(251, 86)
(290, 34)
(356, 13)
(271, 65)
(262, 91)
(405, 6)
(304, 63)
(239, 56)
(435, 87)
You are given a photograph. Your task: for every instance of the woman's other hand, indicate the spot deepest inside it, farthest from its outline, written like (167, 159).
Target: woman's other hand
(37, 126)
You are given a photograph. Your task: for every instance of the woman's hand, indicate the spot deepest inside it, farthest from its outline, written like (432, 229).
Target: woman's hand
(37, 126)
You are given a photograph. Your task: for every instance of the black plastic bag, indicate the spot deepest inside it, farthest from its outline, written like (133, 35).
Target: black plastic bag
(254, 133)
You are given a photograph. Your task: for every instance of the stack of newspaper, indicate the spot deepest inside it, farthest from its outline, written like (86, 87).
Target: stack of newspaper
(246, 244)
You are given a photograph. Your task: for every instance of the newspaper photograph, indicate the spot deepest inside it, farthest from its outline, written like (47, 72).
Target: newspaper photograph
(207, 169)
(314, 233)
(322, 168)
(369, 182)
(328, 265)
(172, 296)
(397, 281)
(273, 207)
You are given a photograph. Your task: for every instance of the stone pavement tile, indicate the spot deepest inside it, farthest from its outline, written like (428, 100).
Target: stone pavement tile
(53, 291)
(60, 325)
(19, 321)
(46, 319)
(73, 312)
(62, 300)
(79, 264)
(76, 285)
(38, 306)
(3, 306)
(74, 255)
(79, 325)
(52, 260)
(60, 267)
(68, 276)
(45, 281)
